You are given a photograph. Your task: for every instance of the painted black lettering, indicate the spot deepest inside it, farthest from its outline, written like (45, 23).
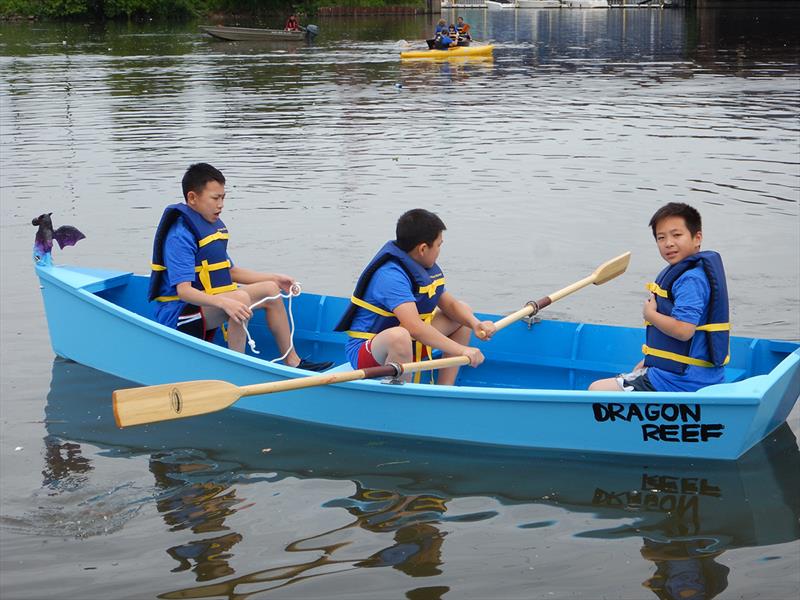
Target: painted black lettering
(710, 431)
(652, 411)
(669, 412)
(633, 411)
(669, 433)
(690, 432)
(600, 412)
(649, 432)
(615, 410)
(687, 411)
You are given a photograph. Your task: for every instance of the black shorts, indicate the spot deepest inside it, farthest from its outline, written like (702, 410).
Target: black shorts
(196, 327)
(636, 381)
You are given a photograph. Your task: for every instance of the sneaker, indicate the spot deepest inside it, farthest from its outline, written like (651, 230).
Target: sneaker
(314, 366)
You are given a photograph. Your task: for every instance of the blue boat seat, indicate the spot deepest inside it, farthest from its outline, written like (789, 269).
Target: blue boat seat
(732, 375)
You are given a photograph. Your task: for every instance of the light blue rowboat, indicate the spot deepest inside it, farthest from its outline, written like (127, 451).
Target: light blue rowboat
(716, 505)
(530, 392)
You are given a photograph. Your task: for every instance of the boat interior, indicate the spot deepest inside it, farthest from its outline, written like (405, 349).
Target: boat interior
(542, 354)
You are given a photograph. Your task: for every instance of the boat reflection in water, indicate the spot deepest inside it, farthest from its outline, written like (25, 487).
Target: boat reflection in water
(686, 512)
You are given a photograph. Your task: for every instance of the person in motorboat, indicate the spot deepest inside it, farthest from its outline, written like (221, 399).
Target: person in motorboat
(292, 24)
(400, 309)
(686, 312)
(194, 284)
(463, 29)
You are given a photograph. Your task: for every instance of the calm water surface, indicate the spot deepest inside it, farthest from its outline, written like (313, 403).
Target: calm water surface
(542, 162)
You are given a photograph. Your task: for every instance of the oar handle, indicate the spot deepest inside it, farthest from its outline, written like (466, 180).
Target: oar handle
(389, 370)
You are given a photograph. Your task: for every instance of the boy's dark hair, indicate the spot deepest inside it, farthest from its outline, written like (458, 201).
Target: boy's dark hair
(197, 176)
(678, 209)
(417, 226)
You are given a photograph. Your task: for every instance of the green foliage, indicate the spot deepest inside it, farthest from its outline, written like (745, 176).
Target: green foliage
(109, 9)
(175, 9)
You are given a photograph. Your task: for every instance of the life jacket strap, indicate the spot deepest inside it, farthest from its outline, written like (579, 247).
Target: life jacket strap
(657, 290)
(219, 235)
(686, 360)
(370, 307)
(431, 288)
(714, 327)
(204, 275)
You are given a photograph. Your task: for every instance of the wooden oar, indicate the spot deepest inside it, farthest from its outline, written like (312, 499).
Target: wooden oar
(136, 406)
(605, 272)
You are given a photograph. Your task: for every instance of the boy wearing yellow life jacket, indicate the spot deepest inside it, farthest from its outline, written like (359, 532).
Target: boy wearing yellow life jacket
(687, 312)
(400, 308)
(195, 285)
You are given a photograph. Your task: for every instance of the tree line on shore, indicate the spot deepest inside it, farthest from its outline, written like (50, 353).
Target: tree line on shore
(171, 9)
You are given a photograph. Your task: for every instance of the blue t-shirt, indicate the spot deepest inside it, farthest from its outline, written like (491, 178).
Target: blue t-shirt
(180, 249)
(389, 287)
(691, 292)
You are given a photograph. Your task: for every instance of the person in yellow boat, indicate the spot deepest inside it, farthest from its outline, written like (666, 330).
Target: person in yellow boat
(194, 284)
(686, 312)
(400, 308)
(463, 29)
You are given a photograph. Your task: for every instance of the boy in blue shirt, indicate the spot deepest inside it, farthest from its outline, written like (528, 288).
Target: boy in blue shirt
(400, 308)
(194, 283)
(687, 315)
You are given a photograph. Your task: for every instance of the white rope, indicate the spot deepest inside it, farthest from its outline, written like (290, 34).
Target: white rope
(295, 290)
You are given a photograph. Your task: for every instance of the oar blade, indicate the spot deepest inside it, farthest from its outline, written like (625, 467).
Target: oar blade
(611, 269)
(137, 406)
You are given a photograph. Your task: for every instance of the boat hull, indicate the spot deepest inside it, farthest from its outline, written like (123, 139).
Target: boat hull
(478, 51)
(244, 34)
(529, 393)
(753, 501)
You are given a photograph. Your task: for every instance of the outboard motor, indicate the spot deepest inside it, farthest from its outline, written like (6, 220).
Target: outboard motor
(311, 31)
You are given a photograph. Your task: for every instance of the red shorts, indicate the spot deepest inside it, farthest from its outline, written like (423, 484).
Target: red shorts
(365, 358)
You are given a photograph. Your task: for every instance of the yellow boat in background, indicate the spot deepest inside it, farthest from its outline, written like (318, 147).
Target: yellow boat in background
(481, 51)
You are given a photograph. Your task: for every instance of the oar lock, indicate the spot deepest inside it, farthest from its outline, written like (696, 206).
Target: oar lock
(532, 319)
(396, 378)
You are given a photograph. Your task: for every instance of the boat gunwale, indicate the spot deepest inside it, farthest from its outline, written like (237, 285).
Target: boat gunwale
(748, 395)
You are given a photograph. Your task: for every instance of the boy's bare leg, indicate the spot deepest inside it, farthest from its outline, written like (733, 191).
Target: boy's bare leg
(393, 345)
(276, 318)
(456, 332)
(605, 385)
(216, 316)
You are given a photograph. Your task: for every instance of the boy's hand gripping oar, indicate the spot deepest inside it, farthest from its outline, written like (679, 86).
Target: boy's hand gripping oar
(136, 406)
